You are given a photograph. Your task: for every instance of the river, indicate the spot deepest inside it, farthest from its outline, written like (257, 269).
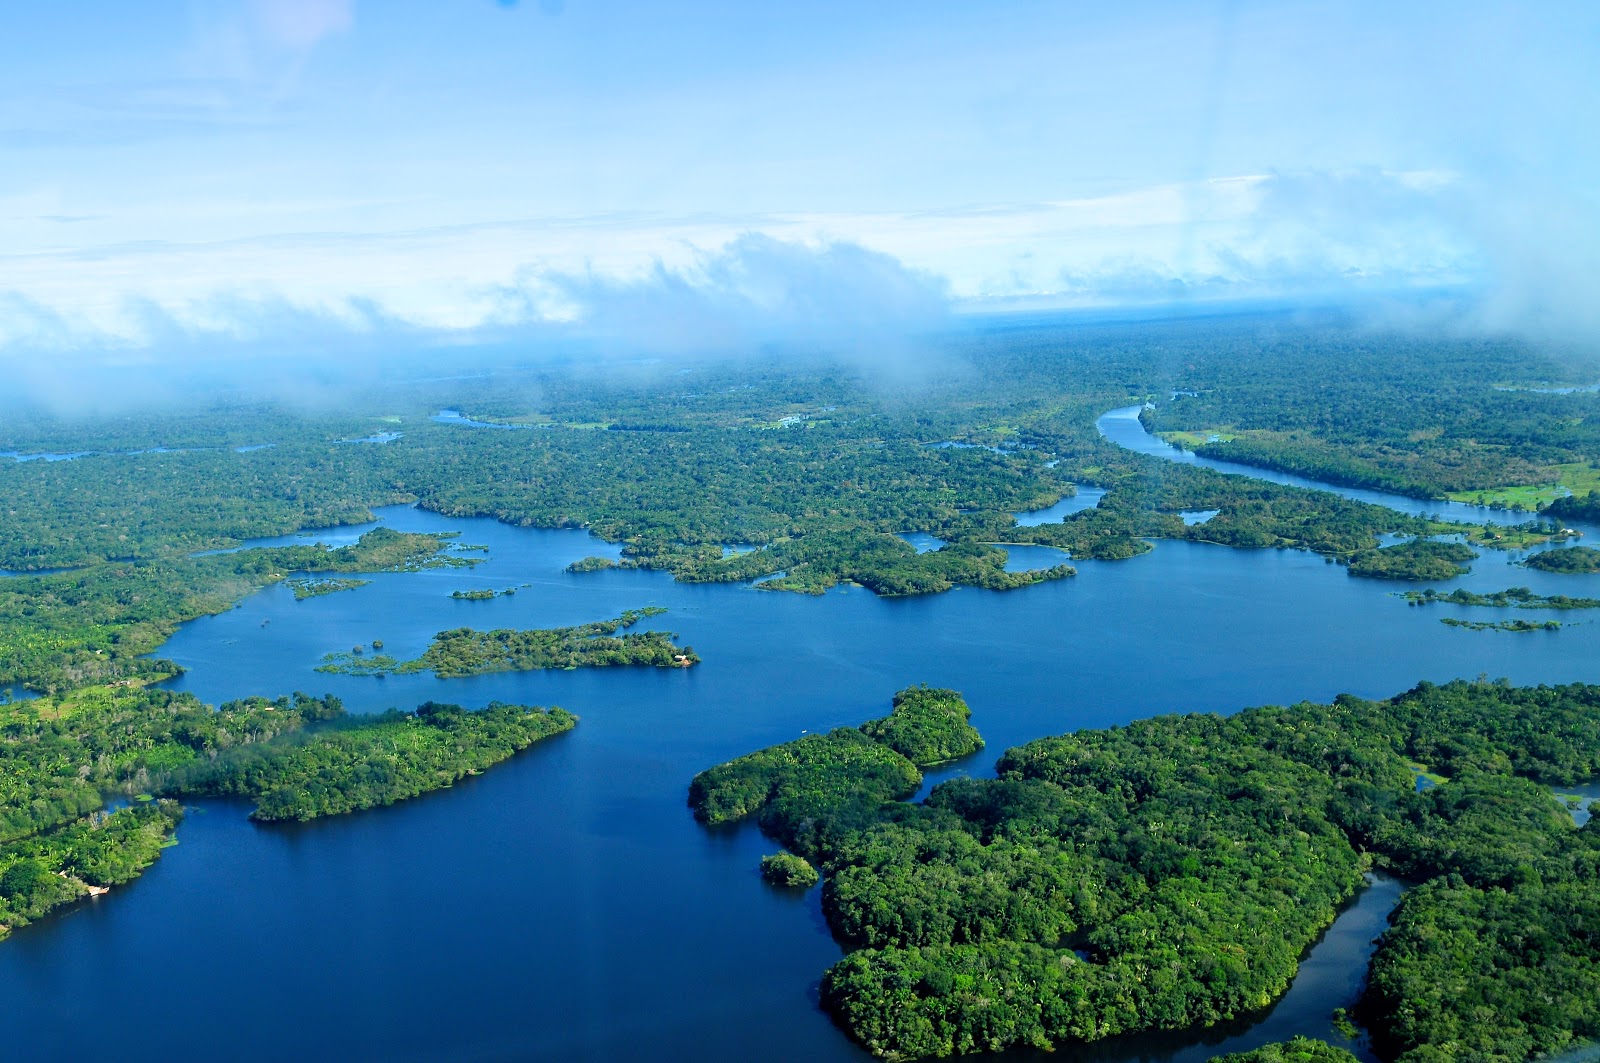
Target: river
(567, 906)
(1123, 427)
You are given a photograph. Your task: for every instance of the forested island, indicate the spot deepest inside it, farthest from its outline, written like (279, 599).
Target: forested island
(462, 651)
(1170, 874)
(1502, 625)
(309, 587)
(296, 757)
(483, 594)
(1567, 559)
(1512, 597)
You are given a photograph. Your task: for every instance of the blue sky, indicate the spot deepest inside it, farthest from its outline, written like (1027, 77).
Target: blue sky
(215, 168)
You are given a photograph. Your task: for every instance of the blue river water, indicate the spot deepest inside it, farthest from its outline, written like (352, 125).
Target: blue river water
(566, 905)
(1122, 427)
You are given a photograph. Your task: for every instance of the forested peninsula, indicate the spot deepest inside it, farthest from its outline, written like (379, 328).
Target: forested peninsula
(297, 758)
(1170, 874)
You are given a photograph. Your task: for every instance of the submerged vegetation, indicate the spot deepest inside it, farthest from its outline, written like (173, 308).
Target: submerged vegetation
(1502, 625)
(298, 757)
(1170, 874)
(462, 651)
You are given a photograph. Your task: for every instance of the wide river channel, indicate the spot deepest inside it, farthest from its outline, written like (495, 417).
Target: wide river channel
(566, 905)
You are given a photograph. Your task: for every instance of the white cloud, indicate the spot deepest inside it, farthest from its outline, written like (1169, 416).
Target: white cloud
(708, 279)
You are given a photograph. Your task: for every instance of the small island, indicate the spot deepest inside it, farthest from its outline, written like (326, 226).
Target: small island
(465, 652)
(1511, 597)
(788, 870)
(307, 587)
(1568, 559)
(592, 564)
(482, 595)
(1502, 625)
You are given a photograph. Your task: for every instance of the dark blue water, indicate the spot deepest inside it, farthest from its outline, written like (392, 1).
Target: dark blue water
(566, 905)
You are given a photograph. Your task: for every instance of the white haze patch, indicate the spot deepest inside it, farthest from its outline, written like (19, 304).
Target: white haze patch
(757, 293)
(1514, 258)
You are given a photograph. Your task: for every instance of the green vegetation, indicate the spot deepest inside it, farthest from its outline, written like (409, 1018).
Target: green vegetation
(1571, 478)
(94, 625)
(355, 763)
(805, 460)
(1511, 597)
(1468, 971)
(85, 858)
(1169, 874)
(1577, 507)
(591, 564)
(1426, 417)
(1299, 1050)
(883, 563)
(478, 595)
(463, 651)
(1502, 625)
(1568, 559)
(786, 869)
(305, 587)
(928, 726)
(298, 757)
(1420, 559)
(806, 791)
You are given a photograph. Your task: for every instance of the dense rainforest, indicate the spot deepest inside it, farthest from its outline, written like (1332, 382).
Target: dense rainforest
(818, 466)
(297, 757)
(1171, 873)
(1471, 420)
(1163, 875)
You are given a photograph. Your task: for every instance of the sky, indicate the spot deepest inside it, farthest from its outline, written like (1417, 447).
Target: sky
(243, 172)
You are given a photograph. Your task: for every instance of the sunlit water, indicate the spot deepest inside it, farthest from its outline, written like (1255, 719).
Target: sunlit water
(566, 905)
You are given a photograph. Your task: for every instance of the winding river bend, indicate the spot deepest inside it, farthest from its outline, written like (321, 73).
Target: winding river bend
(565, 905)
(1123, 427)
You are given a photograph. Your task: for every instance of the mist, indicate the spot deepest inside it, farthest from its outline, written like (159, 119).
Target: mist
(756, 296)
